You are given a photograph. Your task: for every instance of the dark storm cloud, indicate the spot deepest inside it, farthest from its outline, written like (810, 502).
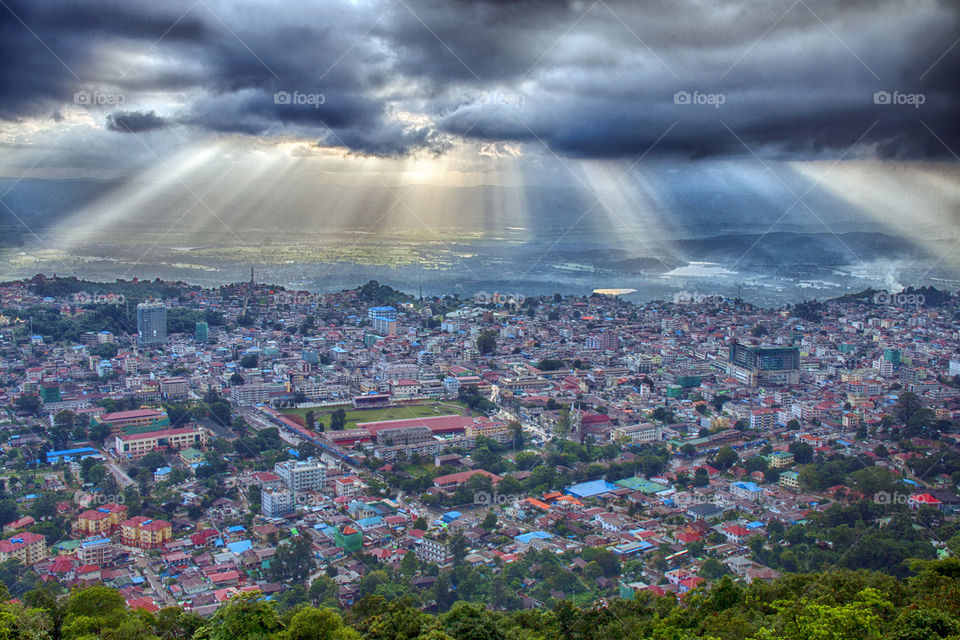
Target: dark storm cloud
(586, 79)
(48, 47)
(135, 121)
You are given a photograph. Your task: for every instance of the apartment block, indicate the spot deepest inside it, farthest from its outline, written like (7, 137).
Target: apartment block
(302, 475)
(26, 547)
(145, 533)
(135, 446)
(101, 521)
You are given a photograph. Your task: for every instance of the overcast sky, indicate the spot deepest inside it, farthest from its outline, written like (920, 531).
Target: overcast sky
(102, 83)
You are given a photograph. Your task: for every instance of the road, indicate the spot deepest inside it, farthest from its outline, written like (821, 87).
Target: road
(506, 414)
(122, 478)
(161, 592)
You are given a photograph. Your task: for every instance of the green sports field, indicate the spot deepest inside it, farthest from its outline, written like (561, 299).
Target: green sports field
(425, 410)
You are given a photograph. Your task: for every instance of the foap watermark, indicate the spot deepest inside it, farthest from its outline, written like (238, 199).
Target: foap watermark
(299, 98)
(301, 298)
(82, 297)
(484, 498)
(482, 297)
(885, 497)
(896, 97)
(712, 99)
(97, 497)
(686, 297)
(886, 299)
(97, 99)
(498, 97)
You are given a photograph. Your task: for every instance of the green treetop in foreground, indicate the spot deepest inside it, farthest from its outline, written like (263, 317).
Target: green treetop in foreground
(836, 605)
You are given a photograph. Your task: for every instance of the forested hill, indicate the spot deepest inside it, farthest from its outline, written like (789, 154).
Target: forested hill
(835, 605)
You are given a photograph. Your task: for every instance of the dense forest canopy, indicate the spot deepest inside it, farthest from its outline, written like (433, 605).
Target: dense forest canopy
(837, 604)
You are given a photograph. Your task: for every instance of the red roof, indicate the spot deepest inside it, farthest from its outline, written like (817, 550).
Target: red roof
(16, 541)
(686, 537)
(25, 521)
(156, 525)
(266, 476)
(61, 564)
(130, 415)
(94, 514)
(225, 576)
(144, 603)
(142, 522)
(463, 476)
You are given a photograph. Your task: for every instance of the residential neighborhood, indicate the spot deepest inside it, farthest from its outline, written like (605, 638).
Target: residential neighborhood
(324, 447)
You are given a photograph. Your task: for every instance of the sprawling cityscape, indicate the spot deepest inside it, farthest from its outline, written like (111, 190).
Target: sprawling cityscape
(203, 444)
(479, 320)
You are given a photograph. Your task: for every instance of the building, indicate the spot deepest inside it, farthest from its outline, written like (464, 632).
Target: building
(924, 500)
(191, 456)
(385, 327)
(884, 367)
(250, 394)
(387, 313)
(302, 475)
(276, 502)
(763, 418)
(101, 521)
(746, 490)
(151, 323)
(201, 332)
(488, 429)
(644, 432)
(404, 389)
(97, 550)
(790, 479)
(348, 539)
(780, 459)
(50, 392)
(413, 434)
(383, 320)
(893, 356)
(433, 550)
(348, 486)
(764, 365)
(736, 533)
(954, 366)
(452, 481)
(136, 421)
(26, 547)
(144, 533)
(136, 445)
(63, 455)
(606, 341)
(174, 388)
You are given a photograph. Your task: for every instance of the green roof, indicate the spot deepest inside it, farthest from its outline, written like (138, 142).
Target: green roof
(641, 484)
(67, 545)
